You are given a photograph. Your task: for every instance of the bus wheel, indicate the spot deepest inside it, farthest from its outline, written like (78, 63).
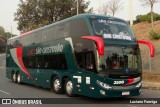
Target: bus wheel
(57, 86)
(18, 78)
(14, 77)
(69, 88)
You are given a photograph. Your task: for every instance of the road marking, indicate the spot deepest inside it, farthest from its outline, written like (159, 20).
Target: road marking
(4, 92)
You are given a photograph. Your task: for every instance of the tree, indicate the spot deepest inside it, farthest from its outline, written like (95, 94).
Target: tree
(2, 31)
(151, 4)
(5, 34)
(105, 10)
(32, 14)
(3, 40)
(114, 6)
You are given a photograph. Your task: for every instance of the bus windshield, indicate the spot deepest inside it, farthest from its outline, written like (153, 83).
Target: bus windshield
(112, 29)
(120, 59)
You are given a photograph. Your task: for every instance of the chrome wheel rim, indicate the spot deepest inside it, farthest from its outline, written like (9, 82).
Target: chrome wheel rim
(69, 87)
(14, 77)
(57, 85)
(19, 78)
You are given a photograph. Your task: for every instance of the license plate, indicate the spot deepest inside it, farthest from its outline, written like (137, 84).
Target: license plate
(126, 93)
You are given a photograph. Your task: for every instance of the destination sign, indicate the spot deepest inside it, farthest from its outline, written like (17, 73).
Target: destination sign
(116, 36)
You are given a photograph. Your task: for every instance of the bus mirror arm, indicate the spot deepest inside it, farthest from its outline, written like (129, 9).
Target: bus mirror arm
(150, 45)
(99, 43)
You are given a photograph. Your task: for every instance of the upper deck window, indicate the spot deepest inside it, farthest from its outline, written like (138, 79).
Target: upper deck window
(110, 28)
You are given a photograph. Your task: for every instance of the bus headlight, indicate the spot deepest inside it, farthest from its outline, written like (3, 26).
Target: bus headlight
(104, 85)
(138, 85)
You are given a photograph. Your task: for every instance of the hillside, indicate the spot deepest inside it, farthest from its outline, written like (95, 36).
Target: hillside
(141, 31)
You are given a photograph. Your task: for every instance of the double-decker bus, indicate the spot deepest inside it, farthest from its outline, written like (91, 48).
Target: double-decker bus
(90, 55)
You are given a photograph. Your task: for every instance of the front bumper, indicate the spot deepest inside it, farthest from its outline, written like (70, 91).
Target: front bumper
(103, 93)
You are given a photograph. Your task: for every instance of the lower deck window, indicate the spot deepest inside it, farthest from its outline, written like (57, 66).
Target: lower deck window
(57, 61)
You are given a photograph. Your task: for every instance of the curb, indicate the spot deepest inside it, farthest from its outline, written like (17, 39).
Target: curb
(151, 86)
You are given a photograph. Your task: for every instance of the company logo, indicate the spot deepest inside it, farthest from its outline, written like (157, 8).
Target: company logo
(50, 49)
(6, 101)
(21, 101)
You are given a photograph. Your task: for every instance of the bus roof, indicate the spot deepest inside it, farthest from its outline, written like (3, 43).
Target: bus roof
(80, 16)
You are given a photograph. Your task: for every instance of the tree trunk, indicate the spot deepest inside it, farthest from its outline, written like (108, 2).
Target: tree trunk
(113, 14)
(152, 15)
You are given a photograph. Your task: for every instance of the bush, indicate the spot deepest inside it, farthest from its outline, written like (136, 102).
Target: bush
(154, 35)
(147, 17)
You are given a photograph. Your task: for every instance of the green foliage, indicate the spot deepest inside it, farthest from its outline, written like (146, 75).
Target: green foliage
(147, 17)
(33, 14)
(3, 40)
(2, 32)
(5, 34)
(154, 35)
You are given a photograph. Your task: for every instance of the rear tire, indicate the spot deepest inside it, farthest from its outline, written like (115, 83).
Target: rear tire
(18, 78)
(69, 88)
(57, 86)
(14, 77)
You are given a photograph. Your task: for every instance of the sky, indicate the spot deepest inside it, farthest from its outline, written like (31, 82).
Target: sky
(9, 7)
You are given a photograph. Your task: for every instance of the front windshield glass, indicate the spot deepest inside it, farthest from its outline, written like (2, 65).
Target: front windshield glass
(112, 29)
(120, 58)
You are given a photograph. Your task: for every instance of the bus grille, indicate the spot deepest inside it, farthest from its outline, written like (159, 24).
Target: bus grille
(123, 87)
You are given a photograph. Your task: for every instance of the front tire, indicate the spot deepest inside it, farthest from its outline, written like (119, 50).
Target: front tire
(69, 88)
(57, 86)
(18, 78)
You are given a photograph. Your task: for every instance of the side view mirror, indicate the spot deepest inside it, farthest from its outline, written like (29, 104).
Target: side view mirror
(99, 43)
(150, 45)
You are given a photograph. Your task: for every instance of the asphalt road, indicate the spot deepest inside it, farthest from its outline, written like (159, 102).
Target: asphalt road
(8, 89)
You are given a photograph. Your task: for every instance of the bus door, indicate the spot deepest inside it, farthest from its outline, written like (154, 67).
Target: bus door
(86, 62)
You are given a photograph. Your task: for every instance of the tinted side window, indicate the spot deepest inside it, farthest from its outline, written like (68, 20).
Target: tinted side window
(62, 30)
(85, 60)
(57, 61)
(29, 62)
(26, 40)
(12, 41)
(15, 43)
(78, 28)
(21, 41)
(36, 37)
(48, 34)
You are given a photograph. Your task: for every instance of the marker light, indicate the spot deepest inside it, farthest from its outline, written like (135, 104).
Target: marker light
(138, 85)
(102, 92)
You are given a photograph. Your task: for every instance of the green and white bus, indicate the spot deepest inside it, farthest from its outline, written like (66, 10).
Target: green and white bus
(90, 55)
